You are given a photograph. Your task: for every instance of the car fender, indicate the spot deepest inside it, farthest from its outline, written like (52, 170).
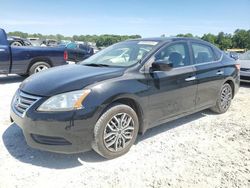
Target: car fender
(104, 94)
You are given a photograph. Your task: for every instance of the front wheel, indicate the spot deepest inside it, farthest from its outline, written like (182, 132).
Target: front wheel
(115, 131)
(224, 99)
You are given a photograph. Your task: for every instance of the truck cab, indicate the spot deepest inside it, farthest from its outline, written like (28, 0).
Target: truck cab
(5, 56)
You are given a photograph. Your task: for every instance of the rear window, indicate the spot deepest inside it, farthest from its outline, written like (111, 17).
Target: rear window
(217, 53)
(202, 53)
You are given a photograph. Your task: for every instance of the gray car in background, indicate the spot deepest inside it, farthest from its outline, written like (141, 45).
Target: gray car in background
(244, 60)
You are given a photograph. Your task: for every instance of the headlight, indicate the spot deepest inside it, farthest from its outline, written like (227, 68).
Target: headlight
(65, 101)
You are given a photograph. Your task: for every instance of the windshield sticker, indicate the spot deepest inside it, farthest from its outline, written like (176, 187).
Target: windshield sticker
(153, 43)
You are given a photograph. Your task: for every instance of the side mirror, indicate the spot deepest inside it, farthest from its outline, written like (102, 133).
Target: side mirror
(161, 66)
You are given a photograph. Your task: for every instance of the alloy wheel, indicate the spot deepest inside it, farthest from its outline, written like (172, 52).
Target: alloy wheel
(119, 132)
(40, 68)
(226, 97)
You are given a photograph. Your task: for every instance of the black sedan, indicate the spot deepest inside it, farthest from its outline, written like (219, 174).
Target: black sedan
(129, 87)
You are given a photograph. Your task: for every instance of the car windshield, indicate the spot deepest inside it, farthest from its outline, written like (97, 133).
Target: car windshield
(123, 54)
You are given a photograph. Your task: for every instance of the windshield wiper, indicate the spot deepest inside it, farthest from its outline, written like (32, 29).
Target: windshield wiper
(96, 65)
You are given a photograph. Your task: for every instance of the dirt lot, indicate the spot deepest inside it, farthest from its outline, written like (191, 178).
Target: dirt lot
(201, 150)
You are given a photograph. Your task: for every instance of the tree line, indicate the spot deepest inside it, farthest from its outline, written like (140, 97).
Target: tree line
(100, 40)
(239, 39)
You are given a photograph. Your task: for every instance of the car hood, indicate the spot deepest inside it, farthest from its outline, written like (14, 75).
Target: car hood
(244, 64)
(67, 78)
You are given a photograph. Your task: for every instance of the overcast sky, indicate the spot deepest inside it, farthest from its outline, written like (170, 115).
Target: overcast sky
(144, 17)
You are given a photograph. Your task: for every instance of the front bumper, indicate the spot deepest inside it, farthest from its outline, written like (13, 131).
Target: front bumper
(245, 76)
(62, 132)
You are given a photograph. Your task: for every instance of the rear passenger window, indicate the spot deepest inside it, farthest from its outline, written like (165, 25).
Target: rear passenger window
(202, 53)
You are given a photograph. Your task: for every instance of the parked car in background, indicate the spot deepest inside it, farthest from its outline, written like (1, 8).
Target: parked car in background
(33, 38)
(77, 52)
(27, 60)
(17, 41)
(65, 42)
(92, 45)
(244, 61)
(43, 42)
(129, 87)
(50, 42)
(233, 55)
(95, 50)
(36, 41)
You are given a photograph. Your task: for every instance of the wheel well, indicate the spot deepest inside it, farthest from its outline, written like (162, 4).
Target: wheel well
(231, 83)
(135, 106)
(33, 61)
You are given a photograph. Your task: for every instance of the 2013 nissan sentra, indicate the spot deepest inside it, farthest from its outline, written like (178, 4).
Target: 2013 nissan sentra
(129, 87)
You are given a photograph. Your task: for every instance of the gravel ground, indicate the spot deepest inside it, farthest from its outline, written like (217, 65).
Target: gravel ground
(201, 150)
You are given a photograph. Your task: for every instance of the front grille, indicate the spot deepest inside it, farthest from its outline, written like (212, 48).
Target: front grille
(245, 78)
(49, 140)
(245, 69)
(22, 102)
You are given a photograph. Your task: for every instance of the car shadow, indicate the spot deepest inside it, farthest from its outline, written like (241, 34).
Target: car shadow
(16, 145)
(173, 124)
(13, 78)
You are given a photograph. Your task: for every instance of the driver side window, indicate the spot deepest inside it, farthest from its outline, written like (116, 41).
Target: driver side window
(176, 55)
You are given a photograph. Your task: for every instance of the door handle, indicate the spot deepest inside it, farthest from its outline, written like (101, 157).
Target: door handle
(2, 50)
(190, 78)
(220, 73)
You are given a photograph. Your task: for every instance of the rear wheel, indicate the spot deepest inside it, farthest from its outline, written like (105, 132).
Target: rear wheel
(38, 67)
(16, 43)
(115, 131)
(224, 99)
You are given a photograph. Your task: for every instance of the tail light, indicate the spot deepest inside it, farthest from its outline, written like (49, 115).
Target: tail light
(65, 55)
(237, 66)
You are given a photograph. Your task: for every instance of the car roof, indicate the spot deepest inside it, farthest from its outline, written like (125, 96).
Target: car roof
(171, 39)
(168, 39)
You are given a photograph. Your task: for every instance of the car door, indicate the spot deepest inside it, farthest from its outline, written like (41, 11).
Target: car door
(4, 53)
(172, 92)
(209, 74)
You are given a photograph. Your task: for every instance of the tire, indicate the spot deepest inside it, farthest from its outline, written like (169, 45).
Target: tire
(16, 43)
(224, 99)
(122, 136)
(38, 67)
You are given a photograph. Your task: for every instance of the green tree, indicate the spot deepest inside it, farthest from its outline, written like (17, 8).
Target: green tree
(209, 38)
(18, 34)
(241, 39)
(185, 35)
(59, 37)
(76, 38)
(224, 41)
